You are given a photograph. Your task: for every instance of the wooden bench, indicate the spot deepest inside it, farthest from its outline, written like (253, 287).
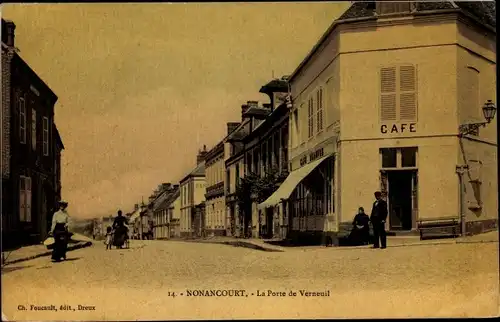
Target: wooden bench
(437, 229)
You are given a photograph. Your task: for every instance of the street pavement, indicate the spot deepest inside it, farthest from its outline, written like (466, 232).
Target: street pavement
(447, 280)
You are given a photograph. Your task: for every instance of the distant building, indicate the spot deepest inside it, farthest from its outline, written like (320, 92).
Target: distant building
(217, 221)
(31, 149)
(162, 215)
(192, 195)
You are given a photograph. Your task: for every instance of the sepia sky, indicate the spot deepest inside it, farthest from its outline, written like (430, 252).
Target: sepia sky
(142, 87)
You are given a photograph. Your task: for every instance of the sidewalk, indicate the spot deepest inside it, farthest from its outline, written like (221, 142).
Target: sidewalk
(34, 251)
(392, 241)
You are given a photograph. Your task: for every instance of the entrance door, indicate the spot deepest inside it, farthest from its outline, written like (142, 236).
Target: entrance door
(400, 199)
(269, 222)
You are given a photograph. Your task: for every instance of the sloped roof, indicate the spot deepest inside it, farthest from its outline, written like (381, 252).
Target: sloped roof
(483, 11)
(169, 200)
(198, 171)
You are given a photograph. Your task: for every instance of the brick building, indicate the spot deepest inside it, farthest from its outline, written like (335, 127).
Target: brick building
(31, 149)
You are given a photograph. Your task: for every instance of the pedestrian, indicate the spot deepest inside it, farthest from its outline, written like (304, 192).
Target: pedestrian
(59, 230)
(108, 240)
(378, 218)
(360, 233)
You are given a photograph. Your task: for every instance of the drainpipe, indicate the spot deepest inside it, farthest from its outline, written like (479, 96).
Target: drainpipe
(461, 171)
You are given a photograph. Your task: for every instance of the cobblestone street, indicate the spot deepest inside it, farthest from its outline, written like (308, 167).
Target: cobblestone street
(137, 283)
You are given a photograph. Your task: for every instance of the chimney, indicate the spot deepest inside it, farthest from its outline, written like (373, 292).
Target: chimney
(8, 32)
(165, 186)
(176, 186)
(136, 207)
(231, 126)
(201, 155)
(253, 104)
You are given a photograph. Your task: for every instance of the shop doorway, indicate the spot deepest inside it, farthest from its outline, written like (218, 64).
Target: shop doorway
(402, 199)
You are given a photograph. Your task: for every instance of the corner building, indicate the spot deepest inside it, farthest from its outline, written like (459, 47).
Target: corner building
(377, 105)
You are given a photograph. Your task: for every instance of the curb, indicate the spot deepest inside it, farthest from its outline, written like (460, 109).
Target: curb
(248, 245)
(47, 253)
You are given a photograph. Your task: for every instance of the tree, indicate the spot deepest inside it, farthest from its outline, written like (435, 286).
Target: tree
(254, 188)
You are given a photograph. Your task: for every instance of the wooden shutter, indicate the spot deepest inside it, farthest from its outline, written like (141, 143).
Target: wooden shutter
(388, 94)
(22, 199)
(28, 199)
(319, 110)
(384, 180)
(407, 93)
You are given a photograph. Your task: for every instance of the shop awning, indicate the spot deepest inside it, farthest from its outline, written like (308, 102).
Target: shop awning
(290, 183)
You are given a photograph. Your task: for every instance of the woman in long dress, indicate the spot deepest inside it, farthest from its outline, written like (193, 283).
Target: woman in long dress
(59, 231)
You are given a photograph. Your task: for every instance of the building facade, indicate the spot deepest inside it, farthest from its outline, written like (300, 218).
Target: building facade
(377, 105)
(266, 154)
(240, 221)
(192, 195)
(31, 149)
(217, 223)
(162, 217)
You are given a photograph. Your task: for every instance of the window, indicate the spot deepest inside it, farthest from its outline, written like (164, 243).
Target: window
(45, 136)
(33, 129)
(319, 112)
(228, 181)
(399, 157)
(408, 157)
(237, 175)
(389, 158)
(25, 199)
(22, 120)
(310, 117)
(398, 93)
(296, 134)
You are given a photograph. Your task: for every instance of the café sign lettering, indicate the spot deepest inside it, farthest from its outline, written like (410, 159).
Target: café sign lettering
(312, 156)
(398, 128)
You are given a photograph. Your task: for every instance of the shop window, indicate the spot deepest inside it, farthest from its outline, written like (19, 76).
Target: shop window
(408, 157)
(389, 158)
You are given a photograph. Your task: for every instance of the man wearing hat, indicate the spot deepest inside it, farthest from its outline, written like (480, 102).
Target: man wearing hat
(59, 230)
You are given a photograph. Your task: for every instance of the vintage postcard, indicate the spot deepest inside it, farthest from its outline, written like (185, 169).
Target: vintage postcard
(293, 160)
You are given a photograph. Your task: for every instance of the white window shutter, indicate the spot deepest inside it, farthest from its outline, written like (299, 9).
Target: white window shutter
(28, 206)
(408, 93)
(388, 95)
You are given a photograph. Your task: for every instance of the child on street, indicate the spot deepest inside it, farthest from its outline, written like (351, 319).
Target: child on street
(108, 238)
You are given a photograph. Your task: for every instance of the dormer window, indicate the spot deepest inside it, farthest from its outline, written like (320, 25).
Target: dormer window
(391, 7)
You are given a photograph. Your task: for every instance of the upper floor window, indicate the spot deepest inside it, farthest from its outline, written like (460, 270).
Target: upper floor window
(45, 136)
(237, 175)
(25, 199)
(310, 117)
(228, 181)
(398, 93)
(319, 110)
(22, 120)
(33, 129)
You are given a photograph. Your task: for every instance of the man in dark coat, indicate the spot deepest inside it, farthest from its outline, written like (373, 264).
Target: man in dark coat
(378, 218)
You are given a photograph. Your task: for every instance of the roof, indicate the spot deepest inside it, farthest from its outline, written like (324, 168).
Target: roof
(482, 11)
(252, 110)
(239, 133)
(37, 81)
(198, 171)
(270, 120)
(275, 84)
(169, 200)
(58, 136)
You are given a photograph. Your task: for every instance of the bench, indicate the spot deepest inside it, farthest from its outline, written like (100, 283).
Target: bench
(438, 229)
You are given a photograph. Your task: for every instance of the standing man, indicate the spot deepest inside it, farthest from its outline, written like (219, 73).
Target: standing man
(378, 218)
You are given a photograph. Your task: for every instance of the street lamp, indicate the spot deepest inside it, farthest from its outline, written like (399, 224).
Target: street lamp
(489, 110)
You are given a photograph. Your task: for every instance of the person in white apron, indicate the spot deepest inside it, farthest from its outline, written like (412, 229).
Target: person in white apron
(59, 231)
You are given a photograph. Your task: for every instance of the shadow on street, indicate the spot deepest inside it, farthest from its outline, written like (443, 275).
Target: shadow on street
(6, 270)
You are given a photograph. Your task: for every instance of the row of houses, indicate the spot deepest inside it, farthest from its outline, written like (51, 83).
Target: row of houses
(31, 149)
(395, 97)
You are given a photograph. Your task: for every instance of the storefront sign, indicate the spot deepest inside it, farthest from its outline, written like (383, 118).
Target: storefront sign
(399, 128)
(312, 156)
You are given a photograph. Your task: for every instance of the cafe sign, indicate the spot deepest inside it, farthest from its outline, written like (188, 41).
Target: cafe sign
(312, 156)
(398, 128)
